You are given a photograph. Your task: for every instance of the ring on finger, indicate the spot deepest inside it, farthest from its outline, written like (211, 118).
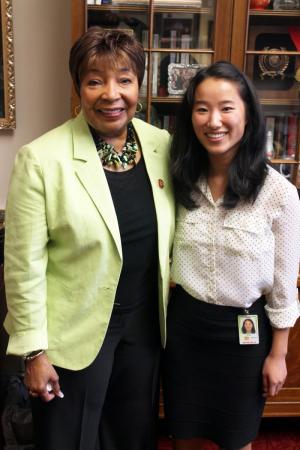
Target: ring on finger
(33, 394)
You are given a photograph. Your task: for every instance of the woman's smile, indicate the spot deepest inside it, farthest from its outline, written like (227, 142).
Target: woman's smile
(216, 136)
(110, 112)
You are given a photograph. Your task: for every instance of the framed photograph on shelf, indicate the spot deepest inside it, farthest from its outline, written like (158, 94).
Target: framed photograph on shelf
(179, 76)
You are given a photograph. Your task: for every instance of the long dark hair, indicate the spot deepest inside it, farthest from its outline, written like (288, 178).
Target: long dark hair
(189, 159)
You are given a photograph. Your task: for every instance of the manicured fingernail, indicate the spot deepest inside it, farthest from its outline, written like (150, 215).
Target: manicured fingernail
(60, 394)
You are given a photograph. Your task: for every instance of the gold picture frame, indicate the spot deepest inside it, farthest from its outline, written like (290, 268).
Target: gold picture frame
(7, 71)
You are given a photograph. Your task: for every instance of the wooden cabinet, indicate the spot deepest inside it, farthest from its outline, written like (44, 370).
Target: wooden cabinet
(266, 44)
(181, 35)
(178, 37)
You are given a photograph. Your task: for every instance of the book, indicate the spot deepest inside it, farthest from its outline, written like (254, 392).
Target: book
(203, 38)
(279, 137)
(155, 61)
(143, 90)
(166, 122)
(145, 37)
(185, 43)
(270, 127)
(90, 2)
(173, 38)
(155, 118)
(168, 3)
(284, 135)
(172, 123)
(291, 136)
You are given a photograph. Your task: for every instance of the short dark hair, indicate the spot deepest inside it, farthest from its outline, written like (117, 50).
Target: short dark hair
(116, 44)
(189, 159)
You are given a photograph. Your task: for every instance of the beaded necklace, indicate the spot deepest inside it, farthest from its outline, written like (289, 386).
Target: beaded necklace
(108, 154)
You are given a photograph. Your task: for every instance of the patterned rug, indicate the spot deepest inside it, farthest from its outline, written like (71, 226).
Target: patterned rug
(275, 434)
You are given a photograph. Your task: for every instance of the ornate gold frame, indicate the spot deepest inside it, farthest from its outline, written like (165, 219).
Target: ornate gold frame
(7, 72)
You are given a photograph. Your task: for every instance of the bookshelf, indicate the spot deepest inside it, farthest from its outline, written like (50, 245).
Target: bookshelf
(265, 43)
(178, 32)
(179, 36)
(256, 33)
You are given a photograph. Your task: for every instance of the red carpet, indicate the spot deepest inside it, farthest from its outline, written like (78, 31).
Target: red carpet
(275, 434)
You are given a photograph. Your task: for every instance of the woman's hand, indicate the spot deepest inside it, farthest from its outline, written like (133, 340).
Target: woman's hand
(274, 369)
(274, 374)
(41, 379)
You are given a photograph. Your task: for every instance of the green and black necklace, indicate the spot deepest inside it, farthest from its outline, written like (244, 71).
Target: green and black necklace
(108, 154)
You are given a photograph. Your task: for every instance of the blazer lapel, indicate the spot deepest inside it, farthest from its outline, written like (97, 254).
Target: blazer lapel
(92, 177)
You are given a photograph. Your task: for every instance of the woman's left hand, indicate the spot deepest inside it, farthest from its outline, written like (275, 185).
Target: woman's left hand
(274, 374)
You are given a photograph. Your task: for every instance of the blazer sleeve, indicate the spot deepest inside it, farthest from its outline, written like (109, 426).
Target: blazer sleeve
(25, 266)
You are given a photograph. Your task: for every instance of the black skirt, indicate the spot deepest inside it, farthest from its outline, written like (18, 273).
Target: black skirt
(212, 384)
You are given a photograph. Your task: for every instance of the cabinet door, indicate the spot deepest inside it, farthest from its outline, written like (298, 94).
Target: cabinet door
(266, 44)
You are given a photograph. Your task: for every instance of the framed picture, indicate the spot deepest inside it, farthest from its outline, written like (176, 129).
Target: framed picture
(179, 76)
(274, 71)
(7, 75)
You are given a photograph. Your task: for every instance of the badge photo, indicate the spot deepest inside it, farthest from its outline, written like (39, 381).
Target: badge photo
(248, 329)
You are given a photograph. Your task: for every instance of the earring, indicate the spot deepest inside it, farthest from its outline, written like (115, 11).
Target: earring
(77, 110)
(139, 107)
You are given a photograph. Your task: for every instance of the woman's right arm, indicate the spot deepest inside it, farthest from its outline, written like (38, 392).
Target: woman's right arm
(26, 257)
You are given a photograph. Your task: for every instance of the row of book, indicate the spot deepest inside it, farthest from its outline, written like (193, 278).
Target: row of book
(283, 128)
(281, 134)
(192, 3)
(99, 2)
(281, 138)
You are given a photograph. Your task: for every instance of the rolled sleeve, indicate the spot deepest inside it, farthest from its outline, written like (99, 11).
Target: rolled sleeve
(282, 302)
(283, 317)
(26, 257)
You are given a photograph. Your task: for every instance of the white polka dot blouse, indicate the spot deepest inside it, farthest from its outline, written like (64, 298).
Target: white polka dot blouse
(232, 257)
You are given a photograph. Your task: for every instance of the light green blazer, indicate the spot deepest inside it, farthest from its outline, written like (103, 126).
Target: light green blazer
(63, 254)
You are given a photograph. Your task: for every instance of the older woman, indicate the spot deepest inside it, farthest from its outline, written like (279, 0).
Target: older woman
(88, 231)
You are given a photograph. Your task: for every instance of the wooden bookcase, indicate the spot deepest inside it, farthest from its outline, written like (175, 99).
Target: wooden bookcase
(262, 39)
(153, 22)
(214, 30)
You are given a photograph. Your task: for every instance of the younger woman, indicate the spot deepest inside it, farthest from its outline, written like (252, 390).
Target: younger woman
(236, 253)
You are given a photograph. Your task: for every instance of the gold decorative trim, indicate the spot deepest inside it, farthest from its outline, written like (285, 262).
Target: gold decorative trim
(8, 121)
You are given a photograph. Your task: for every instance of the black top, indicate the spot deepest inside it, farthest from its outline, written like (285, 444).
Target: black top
(133, 200)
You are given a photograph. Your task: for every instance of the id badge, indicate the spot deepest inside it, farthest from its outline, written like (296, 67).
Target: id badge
(248, 329)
